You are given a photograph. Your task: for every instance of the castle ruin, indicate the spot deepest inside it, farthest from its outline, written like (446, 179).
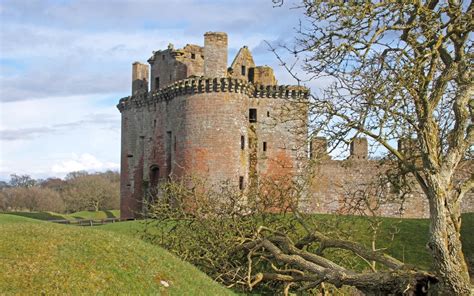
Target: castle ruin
(191, 114)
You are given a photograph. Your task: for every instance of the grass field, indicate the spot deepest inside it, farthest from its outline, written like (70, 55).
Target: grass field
(37, 256)
(405, 239)
(44, 258)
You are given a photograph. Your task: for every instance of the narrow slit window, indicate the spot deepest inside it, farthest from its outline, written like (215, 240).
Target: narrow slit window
(154, 175)
(241, 182)
(242, 142)
(154, 123)
(169, 155)
(129, 155)
(251, 74)
(174, 143)
(244, 72)
(268, 113)
(264, 146)
(252, 115)
(157, 82)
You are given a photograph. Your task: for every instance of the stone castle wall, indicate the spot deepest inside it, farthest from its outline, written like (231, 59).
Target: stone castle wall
(203, 126)
(350, 186)
(235, 124)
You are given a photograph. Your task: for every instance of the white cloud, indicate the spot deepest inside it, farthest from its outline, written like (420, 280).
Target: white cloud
(84, 162)
(37, 134)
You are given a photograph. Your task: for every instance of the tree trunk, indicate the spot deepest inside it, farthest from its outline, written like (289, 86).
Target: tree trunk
(445, 244)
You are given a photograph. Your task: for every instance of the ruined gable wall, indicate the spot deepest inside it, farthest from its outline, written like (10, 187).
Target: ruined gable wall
(242, 64)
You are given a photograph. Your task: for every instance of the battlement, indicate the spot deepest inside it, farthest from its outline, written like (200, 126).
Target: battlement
(195, 85)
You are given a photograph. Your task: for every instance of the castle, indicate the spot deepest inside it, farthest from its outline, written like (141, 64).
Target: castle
(201, 117)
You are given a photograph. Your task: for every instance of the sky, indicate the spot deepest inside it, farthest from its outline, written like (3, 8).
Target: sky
(64, 65)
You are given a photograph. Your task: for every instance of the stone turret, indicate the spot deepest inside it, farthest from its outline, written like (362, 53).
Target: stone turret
(215, 54)
(139, 78)
(359, 149)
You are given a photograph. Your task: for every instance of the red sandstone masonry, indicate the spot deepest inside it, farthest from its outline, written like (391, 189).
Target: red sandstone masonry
(193, 121)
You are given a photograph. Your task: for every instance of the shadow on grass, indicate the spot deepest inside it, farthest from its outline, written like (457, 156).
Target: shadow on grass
(38, 215)
(110, 214)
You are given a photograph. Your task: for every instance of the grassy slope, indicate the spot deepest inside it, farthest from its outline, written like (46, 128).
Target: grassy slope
(38, 257)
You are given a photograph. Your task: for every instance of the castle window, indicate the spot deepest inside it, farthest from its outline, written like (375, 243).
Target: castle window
(242, 142)
(154, 123)
(154, 175)
(129, 155)
(193, 56)
(174, 143)
(157, 82)
(268, 113)
(264, 146)
(252, 115)
(163, 57)
(243, 70)
(171, 78)
(251, 74)
(241, 182)
(169, 160)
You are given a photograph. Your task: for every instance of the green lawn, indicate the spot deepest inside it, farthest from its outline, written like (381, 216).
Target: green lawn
(409, 235)
(109, 259)
(44, 258)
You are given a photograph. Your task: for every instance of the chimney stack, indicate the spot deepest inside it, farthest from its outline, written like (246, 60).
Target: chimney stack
(215, 54)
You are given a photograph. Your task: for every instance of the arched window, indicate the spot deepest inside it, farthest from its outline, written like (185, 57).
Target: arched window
(154, 175)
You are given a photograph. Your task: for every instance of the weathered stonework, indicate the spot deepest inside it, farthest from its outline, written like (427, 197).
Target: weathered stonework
(197, 120)
(337, 186)
(230, 124)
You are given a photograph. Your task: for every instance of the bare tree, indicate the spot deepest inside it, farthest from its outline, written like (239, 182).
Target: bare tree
(219, 229)
(400, 70)
(22, 181)
(91, 192)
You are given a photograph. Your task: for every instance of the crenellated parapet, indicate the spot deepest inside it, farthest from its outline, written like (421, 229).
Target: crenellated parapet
(197, 85)
(280, 91)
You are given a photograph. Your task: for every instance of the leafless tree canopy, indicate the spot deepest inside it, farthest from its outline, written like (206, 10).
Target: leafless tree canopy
(260, 241)
(400, 70)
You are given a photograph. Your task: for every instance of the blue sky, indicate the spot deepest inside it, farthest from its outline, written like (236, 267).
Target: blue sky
(64, 64)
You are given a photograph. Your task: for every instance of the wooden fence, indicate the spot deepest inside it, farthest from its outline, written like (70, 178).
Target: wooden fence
(89, 222)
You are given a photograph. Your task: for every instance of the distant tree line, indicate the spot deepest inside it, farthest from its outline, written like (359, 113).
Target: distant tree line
(78, 191)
